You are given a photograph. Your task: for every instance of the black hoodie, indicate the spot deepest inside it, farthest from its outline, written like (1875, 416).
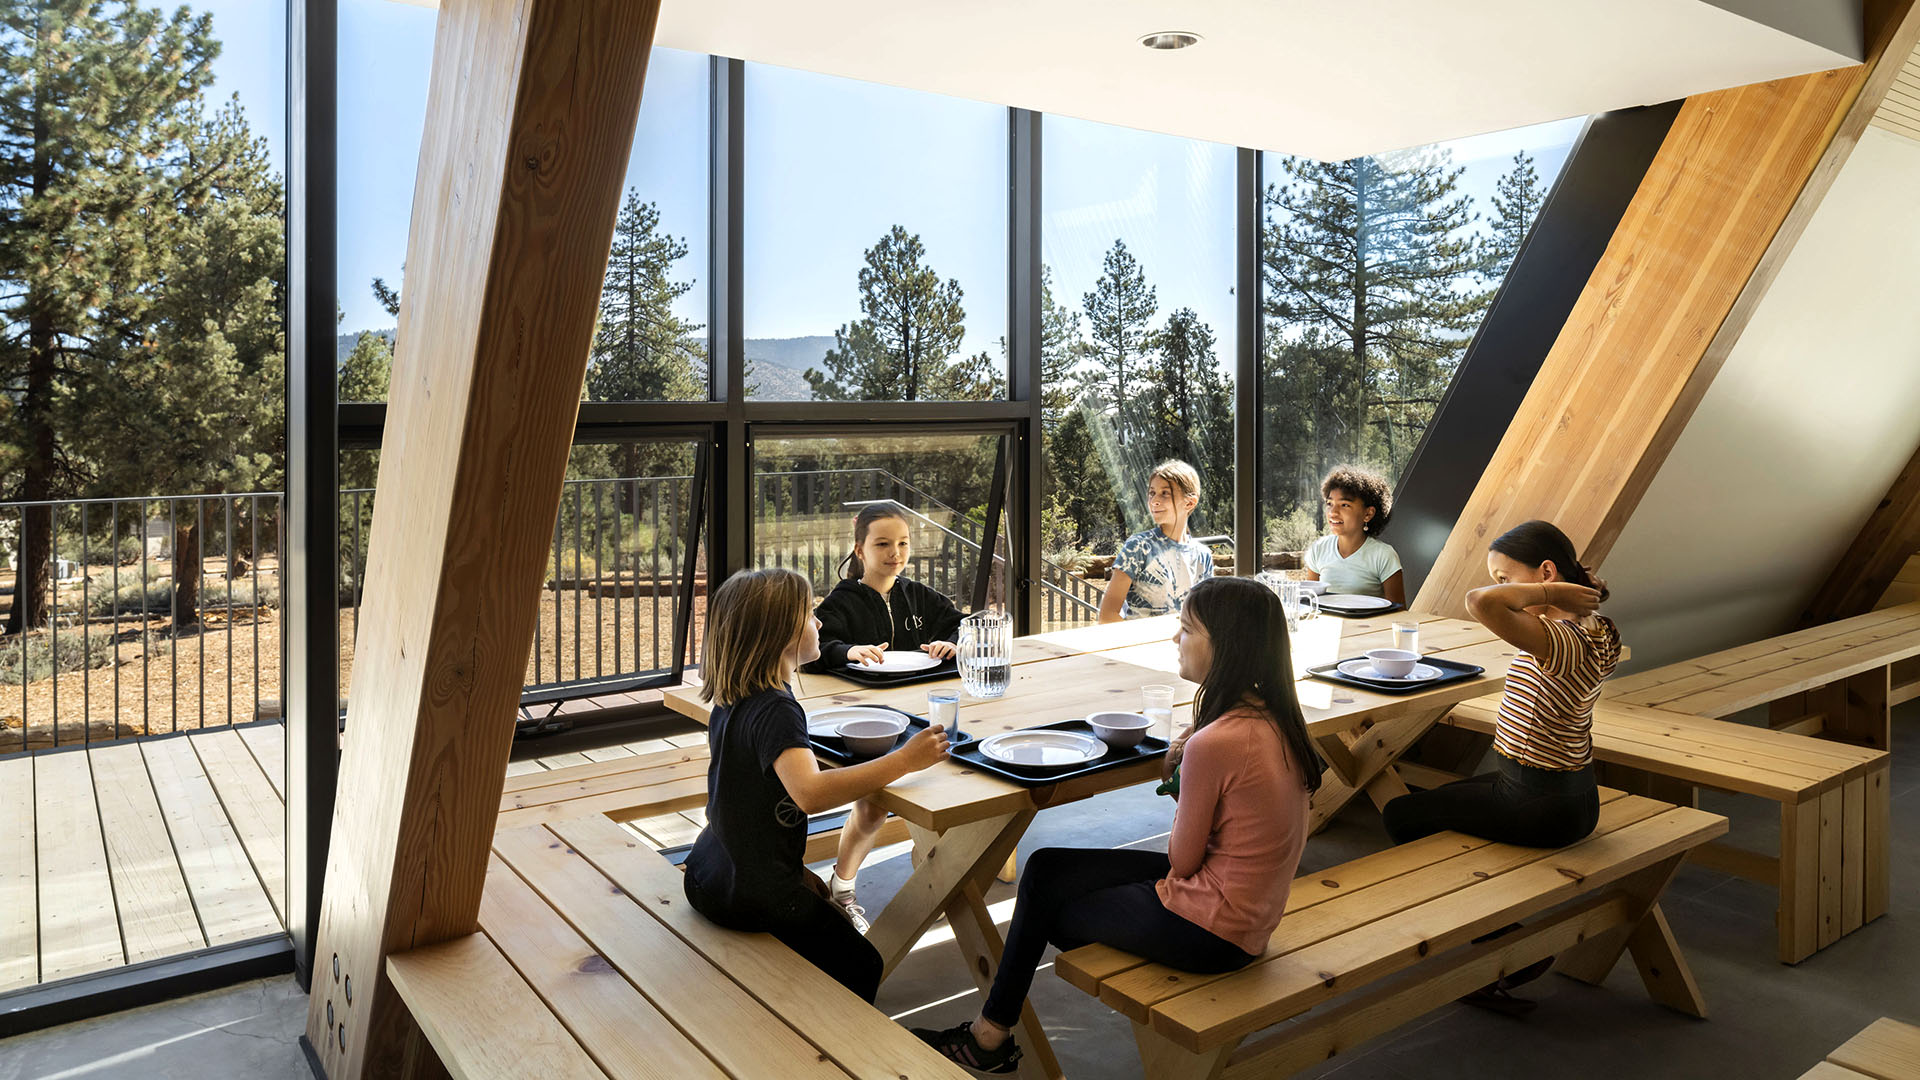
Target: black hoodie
(854, 614)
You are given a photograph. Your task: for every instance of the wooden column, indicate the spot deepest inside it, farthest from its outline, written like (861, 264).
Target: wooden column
(1890, 537)
(530, 117)
(1731, 190)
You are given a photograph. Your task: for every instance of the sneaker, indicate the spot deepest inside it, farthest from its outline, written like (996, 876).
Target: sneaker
(957, 1045)
(842, 892)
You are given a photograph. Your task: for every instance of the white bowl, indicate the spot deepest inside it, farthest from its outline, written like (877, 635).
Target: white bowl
(1119, 729)
(870, 738)
(1393, 663)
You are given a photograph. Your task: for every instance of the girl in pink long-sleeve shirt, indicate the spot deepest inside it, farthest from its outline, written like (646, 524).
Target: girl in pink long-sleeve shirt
(1211, 902)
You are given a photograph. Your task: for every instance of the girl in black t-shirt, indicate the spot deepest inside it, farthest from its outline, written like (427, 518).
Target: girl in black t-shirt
(745, 870)
(875, 608)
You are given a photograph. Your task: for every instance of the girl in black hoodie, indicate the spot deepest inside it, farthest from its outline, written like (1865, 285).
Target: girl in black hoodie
(874, 609)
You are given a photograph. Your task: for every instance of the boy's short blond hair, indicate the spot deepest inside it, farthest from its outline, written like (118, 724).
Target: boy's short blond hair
(745, 640)
(1178, 473)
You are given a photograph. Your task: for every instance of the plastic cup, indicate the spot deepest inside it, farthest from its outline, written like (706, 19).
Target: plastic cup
(1406, 636)
(943, 708)
(1156, 703)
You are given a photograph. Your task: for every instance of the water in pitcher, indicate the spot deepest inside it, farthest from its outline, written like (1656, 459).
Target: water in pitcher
(986, 654)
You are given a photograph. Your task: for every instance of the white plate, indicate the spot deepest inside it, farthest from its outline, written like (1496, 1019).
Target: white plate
(1354, 602)
(1041, 747)
(826, 722)
(1363, 669)
(897, 662)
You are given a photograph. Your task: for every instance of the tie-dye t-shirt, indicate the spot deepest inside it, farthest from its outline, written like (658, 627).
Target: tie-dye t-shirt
(1162, 571)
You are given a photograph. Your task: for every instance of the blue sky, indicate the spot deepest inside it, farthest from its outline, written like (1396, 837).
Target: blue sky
(830, 165)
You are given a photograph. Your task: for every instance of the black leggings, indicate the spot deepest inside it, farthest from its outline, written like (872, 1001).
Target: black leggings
(812, 926)
(1518, 804)
(1075, 896)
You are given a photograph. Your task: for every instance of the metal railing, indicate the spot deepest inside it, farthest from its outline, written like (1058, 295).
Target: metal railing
(123, 652)
(161, 614)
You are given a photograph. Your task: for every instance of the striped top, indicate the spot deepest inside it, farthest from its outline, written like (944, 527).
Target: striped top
(1546, 712)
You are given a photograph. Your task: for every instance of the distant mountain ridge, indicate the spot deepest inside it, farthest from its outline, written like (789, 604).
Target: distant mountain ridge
(778, 365)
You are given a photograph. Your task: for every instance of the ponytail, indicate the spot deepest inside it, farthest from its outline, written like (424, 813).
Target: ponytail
(1534, 542)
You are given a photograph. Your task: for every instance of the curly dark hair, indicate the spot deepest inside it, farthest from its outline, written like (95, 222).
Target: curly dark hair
(1365, 485)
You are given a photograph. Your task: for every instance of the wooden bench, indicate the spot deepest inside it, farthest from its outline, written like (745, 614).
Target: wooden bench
(1413, 911)
(662, 794)
(1835, 806)
(1885, 1050)
(589, 963)
(1840, 680)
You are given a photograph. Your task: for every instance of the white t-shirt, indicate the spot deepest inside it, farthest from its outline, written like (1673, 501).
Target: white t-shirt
(1361, 573)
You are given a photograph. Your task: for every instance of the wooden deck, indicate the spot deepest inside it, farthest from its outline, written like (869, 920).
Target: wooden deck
(144, 849)
(139, 850)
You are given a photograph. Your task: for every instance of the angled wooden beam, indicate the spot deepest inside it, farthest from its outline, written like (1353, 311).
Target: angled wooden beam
(530, 116)
(1890, 537)
(1727, 197)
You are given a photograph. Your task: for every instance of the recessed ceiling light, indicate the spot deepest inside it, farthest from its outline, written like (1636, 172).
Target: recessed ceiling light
(1170, 39)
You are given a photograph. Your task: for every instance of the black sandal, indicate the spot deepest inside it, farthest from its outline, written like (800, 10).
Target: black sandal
(1495, 998)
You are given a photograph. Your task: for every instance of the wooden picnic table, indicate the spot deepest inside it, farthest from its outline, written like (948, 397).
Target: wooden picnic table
(965, 824)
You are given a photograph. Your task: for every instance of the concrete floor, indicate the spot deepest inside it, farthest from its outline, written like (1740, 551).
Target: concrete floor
(1768, 1020)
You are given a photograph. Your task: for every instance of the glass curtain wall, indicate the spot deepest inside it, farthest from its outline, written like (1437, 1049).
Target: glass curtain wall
(1376, 272)
(615, 580)
(1138, 337)
(143, 276)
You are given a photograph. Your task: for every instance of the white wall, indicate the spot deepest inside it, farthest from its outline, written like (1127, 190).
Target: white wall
(1798, 438)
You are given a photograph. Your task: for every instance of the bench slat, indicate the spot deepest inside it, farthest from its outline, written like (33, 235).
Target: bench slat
(861, 1039)
(623, 805)
(1887, 1050)
(1269, 992)
(618, 1026)
(1721, 688)
(637, 761)
(483, 1020)
(737, 1032)
(1631, 687)
(567, 788)
(1134, 993)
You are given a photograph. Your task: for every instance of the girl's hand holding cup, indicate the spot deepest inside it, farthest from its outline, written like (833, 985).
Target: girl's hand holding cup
(925, 749)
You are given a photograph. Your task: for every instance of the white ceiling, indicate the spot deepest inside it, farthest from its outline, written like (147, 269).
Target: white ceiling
(1323, 78)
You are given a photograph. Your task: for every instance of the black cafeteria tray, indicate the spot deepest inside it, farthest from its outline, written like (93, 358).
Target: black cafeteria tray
(1361, 614)
(1148, 748)
(834, 749)
(1451, 672)
(881, 680)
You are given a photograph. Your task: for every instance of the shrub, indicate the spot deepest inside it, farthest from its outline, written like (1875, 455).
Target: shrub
(77, 652)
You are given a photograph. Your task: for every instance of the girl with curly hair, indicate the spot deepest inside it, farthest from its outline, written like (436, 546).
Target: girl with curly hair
(1352, 558)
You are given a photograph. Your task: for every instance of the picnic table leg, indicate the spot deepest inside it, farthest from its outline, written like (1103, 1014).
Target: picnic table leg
(1160, 1059)
(980, 945)
(944, 863)
(1362, 760)
(1663, 969)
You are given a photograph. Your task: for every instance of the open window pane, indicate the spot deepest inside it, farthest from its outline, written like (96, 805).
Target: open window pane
(807, 491)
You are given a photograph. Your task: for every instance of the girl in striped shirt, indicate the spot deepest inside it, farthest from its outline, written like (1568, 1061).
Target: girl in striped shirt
(1542, 793)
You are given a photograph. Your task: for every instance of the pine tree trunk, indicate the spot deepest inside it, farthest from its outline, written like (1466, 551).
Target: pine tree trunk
(33, 577)
(186, 575)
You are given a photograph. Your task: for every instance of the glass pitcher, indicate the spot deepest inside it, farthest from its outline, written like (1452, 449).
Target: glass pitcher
(986, 654)
(1297, 599)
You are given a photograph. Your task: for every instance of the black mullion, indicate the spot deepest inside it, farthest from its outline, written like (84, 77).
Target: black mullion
(1247, 539)
(1024, 594)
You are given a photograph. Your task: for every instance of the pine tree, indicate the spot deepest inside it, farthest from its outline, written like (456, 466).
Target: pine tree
(1517, 198)
(367, 372)
(1191, 404)
(196, 385)
(1370, 261)
(1060, 353)
(95, 102)
(642, 351)
(902, 346)
(1119, 311)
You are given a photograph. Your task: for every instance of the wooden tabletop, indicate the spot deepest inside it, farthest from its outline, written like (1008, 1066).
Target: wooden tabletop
(1070, 673)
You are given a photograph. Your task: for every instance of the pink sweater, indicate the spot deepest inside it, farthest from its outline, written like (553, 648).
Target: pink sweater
(1238, 830)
